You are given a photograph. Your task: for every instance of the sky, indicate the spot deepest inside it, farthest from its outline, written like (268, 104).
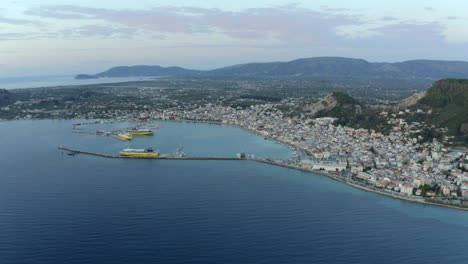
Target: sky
(54, 37)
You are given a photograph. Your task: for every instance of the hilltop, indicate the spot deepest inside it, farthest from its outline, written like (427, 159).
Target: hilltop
(447, 104)
(329, 102)
(348, 111)
(411, 100)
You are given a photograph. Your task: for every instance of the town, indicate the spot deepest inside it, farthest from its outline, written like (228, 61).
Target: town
(397, 164)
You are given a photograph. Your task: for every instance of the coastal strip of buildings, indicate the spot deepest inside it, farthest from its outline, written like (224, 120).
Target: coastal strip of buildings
(396, 163)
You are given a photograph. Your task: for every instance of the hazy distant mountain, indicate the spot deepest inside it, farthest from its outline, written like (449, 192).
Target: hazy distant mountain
(302, 67)
(311, 67)
(346, 67)
(85, 77)
(140, 71)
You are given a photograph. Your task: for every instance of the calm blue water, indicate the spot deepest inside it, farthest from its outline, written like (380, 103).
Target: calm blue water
(49, 81)
(57, 208)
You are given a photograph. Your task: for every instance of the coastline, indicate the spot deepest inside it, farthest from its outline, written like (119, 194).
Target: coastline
(407, 199)
(403, 198)
(231, 125)
(321, 173)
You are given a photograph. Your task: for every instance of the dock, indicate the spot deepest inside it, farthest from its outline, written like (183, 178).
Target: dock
(138, 157)
(271, 162)
(170, 157)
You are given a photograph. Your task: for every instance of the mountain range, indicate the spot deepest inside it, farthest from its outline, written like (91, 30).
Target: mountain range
(307, 67)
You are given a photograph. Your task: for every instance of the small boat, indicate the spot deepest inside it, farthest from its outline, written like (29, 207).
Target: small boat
(140, 131)
(126, 136)
(149, 152)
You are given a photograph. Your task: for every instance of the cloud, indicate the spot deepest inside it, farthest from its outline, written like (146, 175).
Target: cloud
(281, 27)
(97, 31)
(405, 35)
(412, 32)
(19, 22)
(330, 9)
(388, 18)
(15, 36)
(60, 12)
(290, 22)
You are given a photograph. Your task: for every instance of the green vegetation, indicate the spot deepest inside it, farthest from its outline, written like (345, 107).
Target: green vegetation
(448, 100)
(428, 134)
(261, 98)
(447, 92)
(351, 113)
(344, 99)
(6, 97)
(425, 188)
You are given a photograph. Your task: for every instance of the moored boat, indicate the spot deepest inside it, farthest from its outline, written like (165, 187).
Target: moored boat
(149, 152)
(140, 131)
(126, 136)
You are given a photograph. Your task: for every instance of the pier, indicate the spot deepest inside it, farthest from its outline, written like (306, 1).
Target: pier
(271, 162)
(168, 157)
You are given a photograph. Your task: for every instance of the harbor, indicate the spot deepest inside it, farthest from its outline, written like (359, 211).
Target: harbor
(337, 177)
(292, 162)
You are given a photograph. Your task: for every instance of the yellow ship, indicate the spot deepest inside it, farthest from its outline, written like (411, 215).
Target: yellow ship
(125, 136)
(140, 131)
(139, 152)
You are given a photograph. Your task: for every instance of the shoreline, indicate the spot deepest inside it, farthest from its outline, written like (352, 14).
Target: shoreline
(407, 199)
(231, 125)
(363, 188)
(321, 173)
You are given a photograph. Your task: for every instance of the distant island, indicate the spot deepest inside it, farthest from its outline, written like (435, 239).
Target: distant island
(331, 67)
(139, 71)
(85, 77)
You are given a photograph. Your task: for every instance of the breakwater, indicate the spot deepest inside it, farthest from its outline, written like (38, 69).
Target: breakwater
(168, 157)
(271, 162)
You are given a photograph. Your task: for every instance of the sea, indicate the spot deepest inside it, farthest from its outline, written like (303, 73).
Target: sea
(60, 80)
(60, 208)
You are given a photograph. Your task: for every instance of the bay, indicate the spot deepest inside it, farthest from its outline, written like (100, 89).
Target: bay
(56, 208)
(52, 81)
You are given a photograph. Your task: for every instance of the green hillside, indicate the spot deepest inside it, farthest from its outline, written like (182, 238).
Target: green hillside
(448, 100)
(351, 113)
(6, 97)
